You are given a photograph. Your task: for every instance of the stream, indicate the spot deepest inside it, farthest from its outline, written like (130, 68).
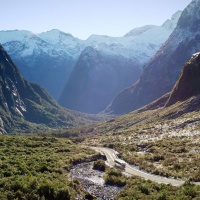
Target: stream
(93, 182)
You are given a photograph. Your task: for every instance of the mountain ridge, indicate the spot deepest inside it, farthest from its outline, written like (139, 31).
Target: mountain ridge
(162, 71)
(53, 54)
(26, 107)
(93, 72)
(188, 84)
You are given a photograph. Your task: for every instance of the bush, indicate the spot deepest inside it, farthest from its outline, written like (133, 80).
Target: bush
(99, 165)
(114, 172)
(47, 191)
(7, 174)
(115, 177)
(63, 194)
(162, 196)
(144, 189)
(157, 158)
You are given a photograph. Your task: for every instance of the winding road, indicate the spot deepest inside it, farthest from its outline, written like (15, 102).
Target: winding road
(111, 155)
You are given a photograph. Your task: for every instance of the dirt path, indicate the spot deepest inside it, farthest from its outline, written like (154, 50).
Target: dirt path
(130, 170)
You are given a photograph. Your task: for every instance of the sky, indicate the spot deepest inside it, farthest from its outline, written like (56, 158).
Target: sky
(83, 18)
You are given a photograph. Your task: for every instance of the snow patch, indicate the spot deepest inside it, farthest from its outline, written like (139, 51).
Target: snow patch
(14, 35)
(18, 111)
(14, 94)
(23, 108)
(195, 55)
(141, 44)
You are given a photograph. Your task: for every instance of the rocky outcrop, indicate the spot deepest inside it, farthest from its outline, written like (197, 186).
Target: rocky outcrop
(162, 72)
(188, 84)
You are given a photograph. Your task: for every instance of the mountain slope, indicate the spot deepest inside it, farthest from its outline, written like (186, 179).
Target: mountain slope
(26, 107)
(43, 60)
(160, 138)
(182, 101)
(48, 58)
(96, 79)
(162, 71)
(188, 84)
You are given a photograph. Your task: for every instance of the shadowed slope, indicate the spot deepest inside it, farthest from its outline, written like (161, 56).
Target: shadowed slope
(26, 107)
(161, 73)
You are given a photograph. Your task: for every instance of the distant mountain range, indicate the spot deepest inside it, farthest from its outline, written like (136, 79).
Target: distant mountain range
(48, 58)
(161, 73)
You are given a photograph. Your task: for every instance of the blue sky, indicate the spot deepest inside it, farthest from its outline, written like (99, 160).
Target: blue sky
(82, 18)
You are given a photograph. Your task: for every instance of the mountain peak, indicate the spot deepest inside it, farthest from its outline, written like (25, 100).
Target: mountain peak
(89, 51)
(188, 84)
(55, 36)
(172, 23)
(58, 32)
(190, 17)
(162, 71)
(15, 35)
(139, 30)
(169, 24)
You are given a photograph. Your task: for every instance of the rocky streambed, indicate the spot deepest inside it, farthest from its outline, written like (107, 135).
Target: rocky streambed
(93, 182)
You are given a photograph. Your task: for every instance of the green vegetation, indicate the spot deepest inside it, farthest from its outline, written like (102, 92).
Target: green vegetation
(177, 158)
(139, 189)
(99, 165)
(135, 188)
(34, 168)
(115, 177)
(162, 141)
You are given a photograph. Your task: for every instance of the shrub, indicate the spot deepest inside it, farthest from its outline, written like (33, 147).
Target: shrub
(99, 165)
(7, 174)
(47, 191)
(157, 158)
(115, 177)
(144, 189)
(162, 196)
(63, 194)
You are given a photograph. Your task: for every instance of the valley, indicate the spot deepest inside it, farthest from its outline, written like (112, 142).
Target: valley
(118, 117)
(159, 145)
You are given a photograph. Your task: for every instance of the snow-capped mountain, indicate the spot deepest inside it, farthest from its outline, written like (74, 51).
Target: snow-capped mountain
(161, 73)
(48, 58)
(46, 63)
(61, 41)
(140, 43)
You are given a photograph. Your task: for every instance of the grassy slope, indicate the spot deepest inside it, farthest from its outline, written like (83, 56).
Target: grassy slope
(162, 141)
(140, 189)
